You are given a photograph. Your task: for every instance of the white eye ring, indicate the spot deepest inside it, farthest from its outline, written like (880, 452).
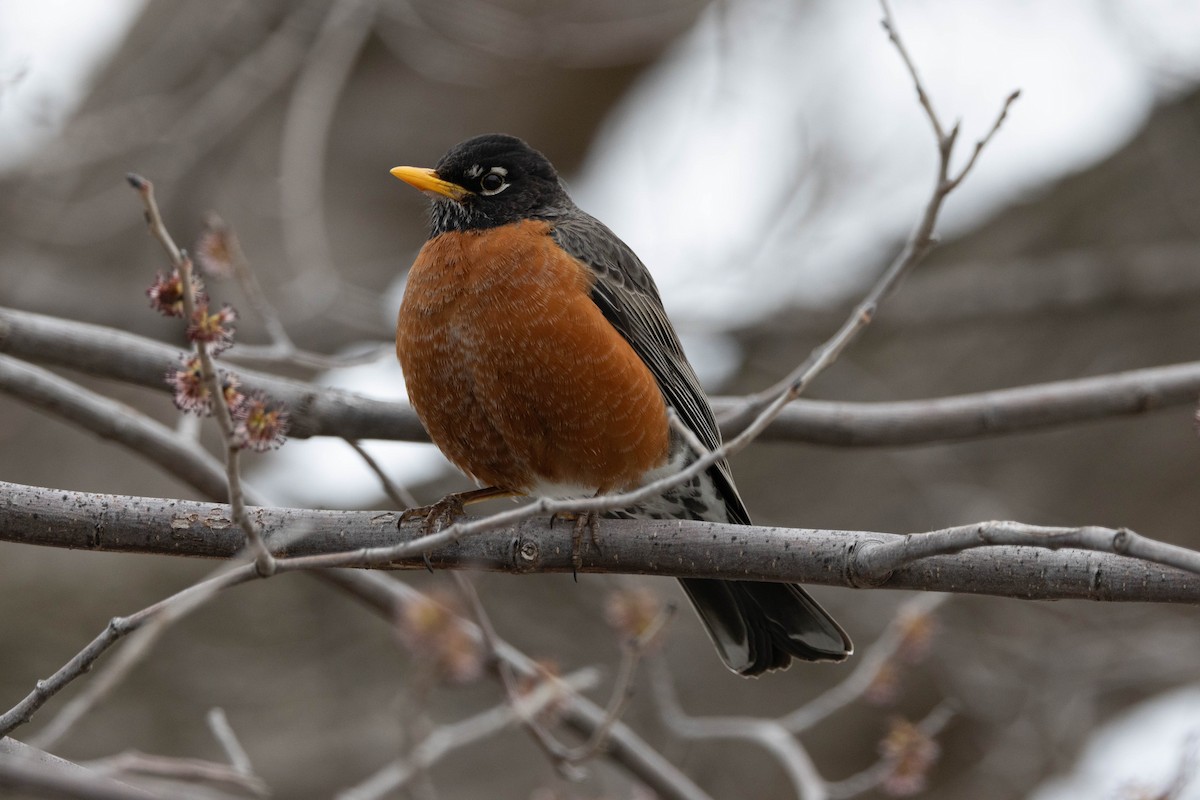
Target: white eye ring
(493, 182)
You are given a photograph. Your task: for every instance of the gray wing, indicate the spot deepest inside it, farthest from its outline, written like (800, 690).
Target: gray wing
(629, 300)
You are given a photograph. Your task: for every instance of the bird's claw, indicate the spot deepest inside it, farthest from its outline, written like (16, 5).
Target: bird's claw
(434, 518)
(588, 521)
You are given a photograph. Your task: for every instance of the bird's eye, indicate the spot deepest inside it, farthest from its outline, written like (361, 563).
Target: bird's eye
(493, 182)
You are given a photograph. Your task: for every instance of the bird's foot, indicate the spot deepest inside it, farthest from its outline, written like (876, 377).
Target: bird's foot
(442, 514)
(588, 521)
(436, 516)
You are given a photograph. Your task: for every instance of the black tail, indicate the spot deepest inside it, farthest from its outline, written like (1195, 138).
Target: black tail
(759, 626)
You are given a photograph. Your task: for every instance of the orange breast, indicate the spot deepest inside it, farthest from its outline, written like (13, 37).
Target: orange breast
(514, 371)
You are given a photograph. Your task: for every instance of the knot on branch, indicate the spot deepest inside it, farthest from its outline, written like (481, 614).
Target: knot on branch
(526, 555)
(861, 570)
(1122, 540)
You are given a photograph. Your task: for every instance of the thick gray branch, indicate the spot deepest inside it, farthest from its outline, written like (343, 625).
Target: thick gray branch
(1036, 570)
(972, 416)
(316, 411)
(111, 353)
(112, 420)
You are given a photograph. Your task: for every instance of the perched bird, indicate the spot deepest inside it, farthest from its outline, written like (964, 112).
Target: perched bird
(540, 360)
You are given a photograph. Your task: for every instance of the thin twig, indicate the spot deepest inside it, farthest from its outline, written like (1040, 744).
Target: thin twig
(448, 738)
(212, 378)
(141, 642)
(282, 350)
(853, 686)
(772, 736)
(118, 627)
(919, 244)
(877, 561)
(240, 266)
(181, 770)
(922, 96)
(633, 651)
(930, 725)
(625, 747)
(400, 496)
(555, 750)
(223, 732)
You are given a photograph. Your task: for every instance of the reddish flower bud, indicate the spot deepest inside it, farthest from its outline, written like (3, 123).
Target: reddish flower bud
(216, 247)
(884, 688)
(190, 391)
(909, 754)
(435, 635)
(917, 630)
(632, 612)
(259, 423)
(166, 293)
(213, 327)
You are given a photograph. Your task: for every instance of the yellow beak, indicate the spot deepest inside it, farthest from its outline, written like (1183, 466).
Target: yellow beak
(428, 181)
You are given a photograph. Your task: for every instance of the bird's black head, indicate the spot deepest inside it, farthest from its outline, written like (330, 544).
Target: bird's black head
(488, 181)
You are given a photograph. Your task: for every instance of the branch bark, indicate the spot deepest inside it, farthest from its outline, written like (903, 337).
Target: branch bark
(320, 411)
(1003, 559)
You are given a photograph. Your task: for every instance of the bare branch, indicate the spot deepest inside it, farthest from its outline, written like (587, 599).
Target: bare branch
(923, 98)
(447, 738)
(625, 747)
(770, 402)
(772, 736)
(881, 558)
(982, 143)
(212, 378)
(318, 411)
(181, 770)
(853, 686)
(1022, 568)
(222, 731)
(38, 773)
(117, 422)
(117, 628)
(95, 349)
(395, 492)
(984, 414)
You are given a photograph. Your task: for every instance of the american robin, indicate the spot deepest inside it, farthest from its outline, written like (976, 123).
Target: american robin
(539, 358)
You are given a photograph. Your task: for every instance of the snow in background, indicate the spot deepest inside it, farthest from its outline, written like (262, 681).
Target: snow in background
(326, 472)
(48, 52)
(1139, 754)
(780, 144)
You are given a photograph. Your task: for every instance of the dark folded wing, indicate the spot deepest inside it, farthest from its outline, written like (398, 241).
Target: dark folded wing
(626, 294)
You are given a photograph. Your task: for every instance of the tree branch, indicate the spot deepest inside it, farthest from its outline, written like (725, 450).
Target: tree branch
(37, 773)
(768, 733)
(321, 411)
(1014, 564)
(115, 421)
(624, 745)
(212, 378)
(447, 738)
